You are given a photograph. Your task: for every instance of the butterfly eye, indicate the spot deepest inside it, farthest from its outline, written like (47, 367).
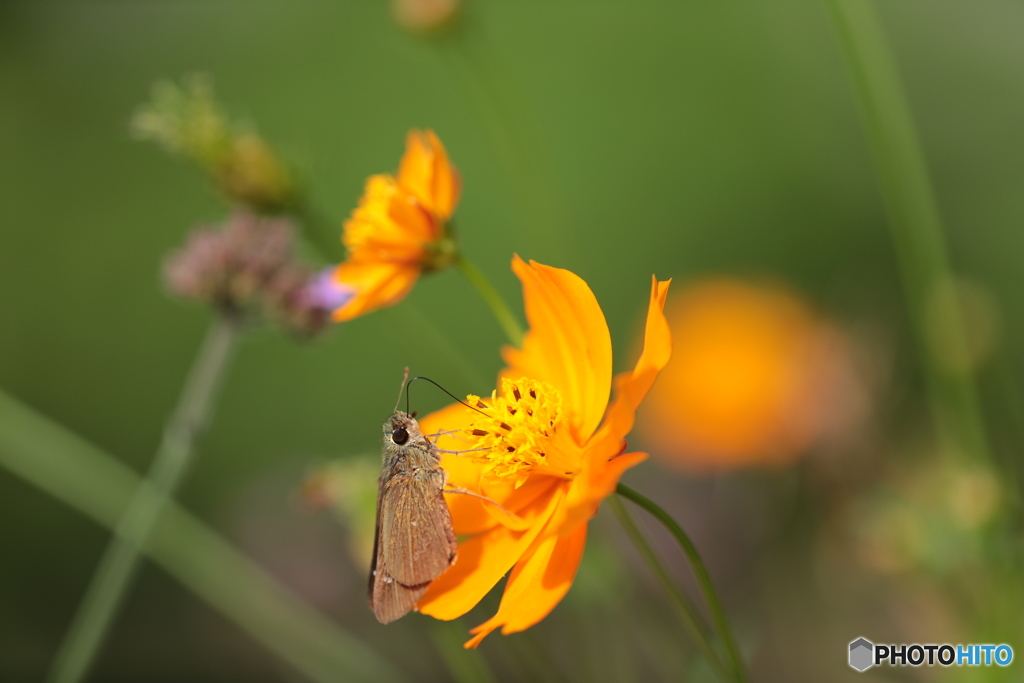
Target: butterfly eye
(400, 436)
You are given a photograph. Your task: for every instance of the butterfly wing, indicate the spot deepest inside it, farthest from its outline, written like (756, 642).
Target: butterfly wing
(414, 543)
(390, 599)
(416, 536)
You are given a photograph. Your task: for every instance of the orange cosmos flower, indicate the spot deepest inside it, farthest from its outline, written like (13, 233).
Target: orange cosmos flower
(547, 458)
(399, 228)
(756, 378)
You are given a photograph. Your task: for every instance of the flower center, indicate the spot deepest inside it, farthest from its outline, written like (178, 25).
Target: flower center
(514, 436)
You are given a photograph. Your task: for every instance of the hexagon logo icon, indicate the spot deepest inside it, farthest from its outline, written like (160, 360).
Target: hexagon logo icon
(862, 654)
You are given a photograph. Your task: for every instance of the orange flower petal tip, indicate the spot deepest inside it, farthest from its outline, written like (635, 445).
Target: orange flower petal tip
(428, 174)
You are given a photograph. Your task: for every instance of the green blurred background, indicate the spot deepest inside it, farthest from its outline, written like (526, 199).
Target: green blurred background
(615, 139)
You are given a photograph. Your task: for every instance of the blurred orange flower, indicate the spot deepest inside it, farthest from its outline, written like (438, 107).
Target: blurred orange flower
(399, 228)
(425, 16)
(756, 377)
(549, 460)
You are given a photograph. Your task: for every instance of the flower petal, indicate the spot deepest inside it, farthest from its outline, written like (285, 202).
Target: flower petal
(631, 387)
(605, 479)
(376, 285)
(590, 488)
(538, 583)
(483, 560)
(427, 173)
(389, 224)
(568, 344)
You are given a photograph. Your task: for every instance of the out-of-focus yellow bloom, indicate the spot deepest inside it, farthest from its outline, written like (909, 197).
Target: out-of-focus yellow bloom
(400, 228)
(755, 377)
(554, 448)
(925, 516)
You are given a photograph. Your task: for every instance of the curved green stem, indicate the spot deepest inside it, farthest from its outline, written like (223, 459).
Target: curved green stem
(687, 611)
(509, 323)
(700, 573)
(118, 565)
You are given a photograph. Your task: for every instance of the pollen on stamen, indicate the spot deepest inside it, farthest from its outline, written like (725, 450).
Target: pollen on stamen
(511, 448)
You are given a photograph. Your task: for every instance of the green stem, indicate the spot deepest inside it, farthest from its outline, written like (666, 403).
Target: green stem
(513, 132)
(97, 485)
(465, 666)
(913, 218)
(700, 573)
(535, 659)
(687, 611)
(509, 323)
(411, 315)
(117, 567)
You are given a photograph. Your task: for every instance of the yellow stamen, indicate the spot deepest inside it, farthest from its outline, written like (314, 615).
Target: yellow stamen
(515, 437)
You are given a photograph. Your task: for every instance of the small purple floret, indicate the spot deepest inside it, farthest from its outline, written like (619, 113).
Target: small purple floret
(326, 292)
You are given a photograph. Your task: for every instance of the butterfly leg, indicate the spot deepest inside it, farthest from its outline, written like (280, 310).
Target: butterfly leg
(437, 435)
(467, 492)
(468, 450)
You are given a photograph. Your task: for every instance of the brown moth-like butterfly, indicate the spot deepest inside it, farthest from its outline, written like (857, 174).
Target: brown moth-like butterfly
(414, 542)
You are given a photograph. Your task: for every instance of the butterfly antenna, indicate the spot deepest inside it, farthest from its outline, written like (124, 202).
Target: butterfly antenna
(401, 389)
(445, 391)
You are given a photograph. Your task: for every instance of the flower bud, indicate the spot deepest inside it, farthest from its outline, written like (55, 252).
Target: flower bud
(425, 16)
(187, 120)
(229, 266)
(248, 265)
(254, 175)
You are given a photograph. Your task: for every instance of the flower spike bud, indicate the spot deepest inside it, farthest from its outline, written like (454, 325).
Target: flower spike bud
(248, 266)
(301, 302)
(229, 266)
(187, 120)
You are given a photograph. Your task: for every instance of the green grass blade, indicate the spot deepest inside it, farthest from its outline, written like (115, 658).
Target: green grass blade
(85, 478)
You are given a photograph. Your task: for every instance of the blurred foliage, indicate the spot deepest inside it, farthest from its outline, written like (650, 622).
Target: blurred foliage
(615, 139)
